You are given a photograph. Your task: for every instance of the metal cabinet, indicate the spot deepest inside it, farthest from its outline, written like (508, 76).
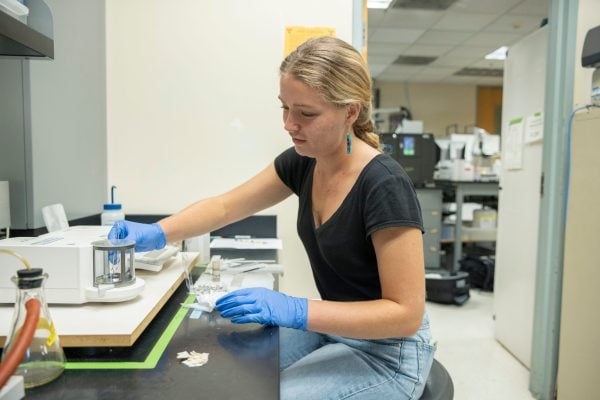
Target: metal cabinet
(431, 209)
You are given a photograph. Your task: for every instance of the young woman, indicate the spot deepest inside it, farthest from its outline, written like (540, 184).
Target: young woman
(360, 223)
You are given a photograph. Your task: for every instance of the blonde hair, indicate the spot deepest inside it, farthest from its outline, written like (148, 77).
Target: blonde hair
(336, 71)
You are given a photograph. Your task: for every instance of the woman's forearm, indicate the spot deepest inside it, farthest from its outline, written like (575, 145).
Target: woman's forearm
(375, 319)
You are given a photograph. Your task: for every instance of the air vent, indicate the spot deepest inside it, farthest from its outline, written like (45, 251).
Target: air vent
(494, 72)
(414, 60)
(423, 4)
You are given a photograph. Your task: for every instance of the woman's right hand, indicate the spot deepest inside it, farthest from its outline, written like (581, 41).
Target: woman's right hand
(147, 237)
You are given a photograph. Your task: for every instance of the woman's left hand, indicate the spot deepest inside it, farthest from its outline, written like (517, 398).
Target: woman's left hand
(264, 306)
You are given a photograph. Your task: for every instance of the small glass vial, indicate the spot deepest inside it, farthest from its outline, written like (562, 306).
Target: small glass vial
(44, 360)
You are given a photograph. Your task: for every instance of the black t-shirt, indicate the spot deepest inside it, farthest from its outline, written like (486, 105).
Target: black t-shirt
(340, 251)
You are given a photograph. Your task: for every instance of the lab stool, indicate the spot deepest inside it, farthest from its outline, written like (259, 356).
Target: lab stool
(439, 385)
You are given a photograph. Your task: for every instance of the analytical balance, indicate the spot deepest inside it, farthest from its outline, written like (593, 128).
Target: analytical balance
(83, 266)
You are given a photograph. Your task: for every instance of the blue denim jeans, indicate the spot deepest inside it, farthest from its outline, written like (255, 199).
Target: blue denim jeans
(319, 366)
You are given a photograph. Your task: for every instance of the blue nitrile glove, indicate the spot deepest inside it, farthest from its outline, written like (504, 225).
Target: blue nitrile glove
(146, 236)
(264, 306)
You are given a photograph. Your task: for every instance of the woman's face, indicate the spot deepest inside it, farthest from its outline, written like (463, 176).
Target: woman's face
(317, 127)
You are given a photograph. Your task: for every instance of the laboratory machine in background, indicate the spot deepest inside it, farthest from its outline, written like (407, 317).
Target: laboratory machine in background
(416, 152)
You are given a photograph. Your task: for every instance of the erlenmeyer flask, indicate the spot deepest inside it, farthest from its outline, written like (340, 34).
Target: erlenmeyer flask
(44, 360)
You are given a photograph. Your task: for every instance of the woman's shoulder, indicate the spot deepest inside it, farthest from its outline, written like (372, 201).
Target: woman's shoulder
(292, 169)
(290, 158)
(383, 167)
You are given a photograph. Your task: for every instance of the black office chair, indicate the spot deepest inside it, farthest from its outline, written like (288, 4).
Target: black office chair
(439, 384)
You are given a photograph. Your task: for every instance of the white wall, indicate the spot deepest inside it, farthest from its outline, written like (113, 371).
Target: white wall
(192, 105)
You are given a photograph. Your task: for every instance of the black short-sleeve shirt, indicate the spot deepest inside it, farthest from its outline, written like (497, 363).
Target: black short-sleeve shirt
(340, 251)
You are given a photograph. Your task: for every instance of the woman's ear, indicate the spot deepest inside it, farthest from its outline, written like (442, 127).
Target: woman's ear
(352, 112)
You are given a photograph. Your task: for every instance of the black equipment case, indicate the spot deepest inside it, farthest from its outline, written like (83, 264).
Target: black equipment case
(452, 288)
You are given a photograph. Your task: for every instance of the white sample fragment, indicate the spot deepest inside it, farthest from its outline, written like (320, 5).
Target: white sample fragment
(193, 359)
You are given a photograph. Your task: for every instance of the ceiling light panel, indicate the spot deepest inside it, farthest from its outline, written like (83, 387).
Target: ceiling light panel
(414, 60)
(378, 4)
(498, 54)
(423, 4)
(490, 72)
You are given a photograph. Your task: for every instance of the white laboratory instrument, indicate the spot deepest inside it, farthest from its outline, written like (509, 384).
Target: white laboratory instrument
(68, 258)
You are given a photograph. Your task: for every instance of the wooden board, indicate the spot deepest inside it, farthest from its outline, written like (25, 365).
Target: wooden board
(112, 324)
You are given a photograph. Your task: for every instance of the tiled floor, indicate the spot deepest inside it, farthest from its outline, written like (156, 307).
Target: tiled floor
(480, 367)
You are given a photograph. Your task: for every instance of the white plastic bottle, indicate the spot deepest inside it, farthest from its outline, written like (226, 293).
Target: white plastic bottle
(112, 212)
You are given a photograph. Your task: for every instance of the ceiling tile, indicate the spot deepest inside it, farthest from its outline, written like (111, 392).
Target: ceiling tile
(389, 35)
(377, 69)
(454, 61)
(424, 79)
(454, 21)
(483, 6)
(398, 72)
(488, 64)
(460, 79)
(404, 18)
(435, 71)
(470, 51)
(482, 81)
(520, 24)
(403, 69)
(494, 39)
(374, 17)
(385, 48)
(532, 7)
(426, 50)
(381, 59)
(443, 37)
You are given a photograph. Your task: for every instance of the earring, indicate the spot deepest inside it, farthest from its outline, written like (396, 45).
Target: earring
(349, 143)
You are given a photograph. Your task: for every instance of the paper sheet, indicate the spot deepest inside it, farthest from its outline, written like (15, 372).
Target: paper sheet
(512, 157)
(534, 129)
(296, 35)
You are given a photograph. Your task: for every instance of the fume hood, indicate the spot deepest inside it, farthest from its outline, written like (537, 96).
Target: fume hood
(31, 39)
